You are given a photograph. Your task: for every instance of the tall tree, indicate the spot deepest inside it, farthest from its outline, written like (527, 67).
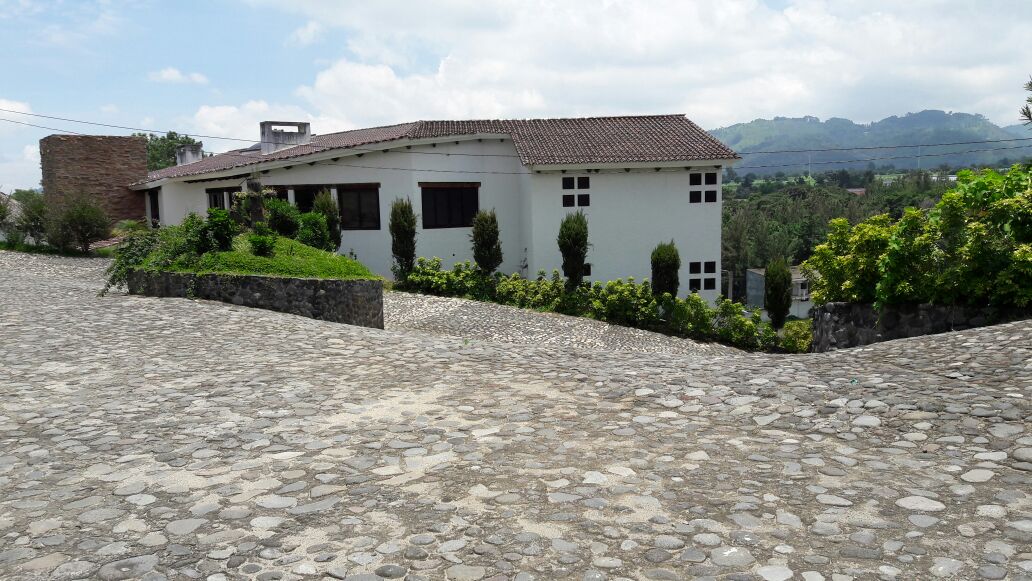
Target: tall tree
(1026, 111)
(777, 291)
(573, 245)
(403, 238)
(161, 149)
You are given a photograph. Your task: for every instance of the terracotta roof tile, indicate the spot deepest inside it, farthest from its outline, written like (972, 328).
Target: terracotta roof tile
(588, 140)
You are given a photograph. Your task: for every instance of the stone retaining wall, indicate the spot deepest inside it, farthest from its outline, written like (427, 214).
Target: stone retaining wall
(354, 302)
(841, 325)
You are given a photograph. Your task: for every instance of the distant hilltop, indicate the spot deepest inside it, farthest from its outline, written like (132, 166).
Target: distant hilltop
(927, 127)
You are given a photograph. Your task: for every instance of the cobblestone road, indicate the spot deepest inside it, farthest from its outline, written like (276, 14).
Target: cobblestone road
(164, 438)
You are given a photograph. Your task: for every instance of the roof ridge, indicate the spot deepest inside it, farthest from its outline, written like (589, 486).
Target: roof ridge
(511, 120)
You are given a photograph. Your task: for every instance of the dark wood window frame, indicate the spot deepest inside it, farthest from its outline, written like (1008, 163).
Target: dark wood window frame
(711, 195)
(568, 200)
(710, 266)
(359, 206)
(583, 200)
(695, 179)
(568, 182)
(694, 267)
(711, 178)
(695, 197)
(449, 204)
(694, 284)
(709, 283)
(583, 182)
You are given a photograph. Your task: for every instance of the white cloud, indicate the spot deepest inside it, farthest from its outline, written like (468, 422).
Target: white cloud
(20, 171)
(308, 34)
(19, 106)
(174, 75)
(719, 61)
(110, 108)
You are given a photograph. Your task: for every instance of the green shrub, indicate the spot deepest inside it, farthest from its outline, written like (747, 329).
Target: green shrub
(130, 254)
(180, 245)
(76, 223)
(219, 231)
(573, 245)
(732, 326)
(624, 303)
(666, 262)
(262, 240)
(325, 205)
(973, 247)
(777, 291)
(797, 336)
(282, 216)
(31, 221)
(125, 227)
(312, 230)
(463, 280)
(5, 214)
(487, 247)
(403, 238)
(689, 317)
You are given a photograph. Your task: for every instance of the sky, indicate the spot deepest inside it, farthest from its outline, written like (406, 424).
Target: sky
(219, 67)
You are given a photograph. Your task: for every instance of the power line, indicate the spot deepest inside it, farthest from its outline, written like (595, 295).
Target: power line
(325, 148)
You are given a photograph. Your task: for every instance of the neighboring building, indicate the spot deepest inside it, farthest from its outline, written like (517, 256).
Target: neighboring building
(754, 289)
(641, 180)
(857, 191)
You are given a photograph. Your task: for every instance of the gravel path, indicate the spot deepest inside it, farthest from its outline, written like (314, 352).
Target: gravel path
(172, 439)
(491, 322)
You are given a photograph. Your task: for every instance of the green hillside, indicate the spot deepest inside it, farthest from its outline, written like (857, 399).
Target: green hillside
(926, 127)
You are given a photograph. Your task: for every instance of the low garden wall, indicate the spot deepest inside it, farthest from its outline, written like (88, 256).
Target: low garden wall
(354, 302)
(841, 325)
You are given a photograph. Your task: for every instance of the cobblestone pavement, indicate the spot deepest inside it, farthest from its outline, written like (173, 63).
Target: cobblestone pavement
(473, 320)
(166, 438)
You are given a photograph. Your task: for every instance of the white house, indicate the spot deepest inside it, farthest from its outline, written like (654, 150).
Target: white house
(640, 180)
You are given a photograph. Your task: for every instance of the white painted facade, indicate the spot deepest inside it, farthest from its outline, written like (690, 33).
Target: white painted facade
(632, 207)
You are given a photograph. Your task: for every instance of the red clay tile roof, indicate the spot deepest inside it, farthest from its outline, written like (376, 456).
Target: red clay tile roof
(630, 139)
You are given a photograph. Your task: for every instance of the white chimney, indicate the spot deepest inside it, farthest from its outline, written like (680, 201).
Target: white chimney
(189, 153)
(274, 139)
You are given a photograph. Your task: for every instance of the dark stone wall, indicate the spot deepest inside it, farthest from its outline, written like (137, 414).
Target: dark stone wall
(354, 302)
(99, 166)
(841, 325)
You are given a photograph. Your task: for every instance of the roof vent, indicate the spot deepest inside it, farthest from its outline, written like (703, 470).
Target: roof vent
(275, 139)
(189, 153)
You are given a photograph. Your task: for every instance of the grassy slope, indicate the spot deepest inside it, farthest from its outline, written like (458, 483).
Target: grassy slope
(291, 259)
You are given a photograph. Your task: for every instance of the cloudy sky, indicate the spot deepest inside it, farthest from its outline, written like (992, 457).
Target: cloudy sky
(218, 67)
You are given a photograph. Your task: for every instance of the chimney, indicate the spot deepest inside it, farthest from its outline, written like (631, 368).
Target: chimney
(189, 153)
(274, 139)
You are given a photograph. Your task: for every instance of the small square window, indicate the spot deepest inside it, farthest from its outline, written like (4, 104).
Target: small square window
(583, 182)
(711, 195)
(695, 179)
(694, 267)
(568, 183)
(711, 179)
(710, 266)
(587, 269)
(709, 284)
(583, 199)
(694, 197)
(694, 284)
(567, 200)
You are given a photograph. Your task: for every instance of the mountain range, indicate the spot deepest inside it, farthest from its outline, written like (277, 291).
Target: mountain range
(778, 142)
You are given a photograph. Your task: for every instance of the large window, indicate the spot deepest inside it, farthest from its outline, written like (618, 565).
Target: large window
(449, 204)
(304, 196)
(359, 206)
(217, 197)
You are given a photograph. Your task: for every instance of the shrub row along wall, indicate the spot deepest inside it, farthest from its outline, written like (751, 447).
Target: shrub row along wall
(841, 325)
(354, 302)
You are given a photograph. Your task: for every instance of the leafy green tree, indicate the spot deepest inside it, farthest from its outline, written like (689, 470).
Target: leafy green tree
(325, 205)
(1026, 111)
(161, 149)
(487, 245)
(5, 213)
(666, 262)
(573, 245)
(403, 238)
(31, 220)
(777, 291)
(76, 223)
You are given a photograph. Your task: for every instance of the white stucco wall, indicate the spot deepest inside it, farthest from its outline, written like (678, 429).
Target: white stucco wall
(630, 212)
